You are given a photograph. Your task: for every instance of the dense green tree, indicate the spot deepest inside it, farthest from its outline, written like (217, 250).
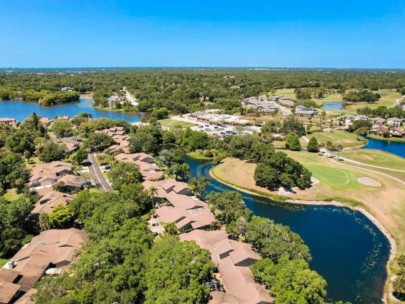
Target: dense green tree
(52, 151)
(13, 172)
(293, 125)
(122, 174)
(61, 217)
(363, 95)
(274, 240)
(228, 206)
(79, 156)
(13, 229)
(62, 127)
(292, 142)
(181, 171)
(99, 141)
(313, 145)
(146, 139)
(193, 140)
(183, 268)
(20, 141)
(160, 113)
(291, 281)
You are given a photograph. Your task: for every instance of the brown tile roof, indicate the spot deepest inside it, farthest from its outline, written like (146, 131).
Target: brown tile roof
(238, 281)
(184, 201)
(55, 247)
(71, 181)
(169, 214)
(50, 200)
(8, 291)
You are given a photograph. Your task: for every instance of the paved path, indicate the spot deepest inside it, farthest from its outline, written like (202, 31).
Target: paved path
(131, 98)
(101, 182)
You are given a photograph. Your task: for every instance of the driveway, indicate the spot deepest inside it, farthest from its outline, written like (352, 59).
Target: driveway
(101, 182)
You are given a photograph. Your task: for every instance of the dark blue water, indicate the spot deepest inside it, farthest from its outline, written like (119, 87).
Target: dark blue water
(397, 148)
(348, 250)
(333, 106)
(20, 110)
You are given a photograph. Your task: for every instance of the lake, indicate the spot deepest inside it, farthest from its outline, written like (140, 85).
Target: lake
(333, 106)
(20, 110)
(348, 250)
(397, 148)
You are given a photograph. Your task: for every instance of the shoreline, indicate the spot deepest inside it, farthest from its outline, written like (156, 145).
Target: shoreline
(387, 293)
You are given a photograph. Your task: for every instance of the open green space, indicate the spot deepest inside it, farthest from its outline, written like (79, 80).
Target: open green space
(2, 262)
(11, 195)
(172, 123)
(388, 99)
(376, 158)
(337, 138)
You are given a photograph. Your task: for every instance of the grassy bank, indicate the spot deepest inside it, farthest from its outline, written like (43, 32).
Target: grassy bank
(199, 156)
(393, 139)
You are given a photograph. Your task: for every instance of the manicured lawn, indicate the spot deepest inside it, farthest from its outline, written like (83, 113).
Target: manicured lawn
(376, 158)
(172, 123)
(2, 262)
(343, 138)
(11, 195)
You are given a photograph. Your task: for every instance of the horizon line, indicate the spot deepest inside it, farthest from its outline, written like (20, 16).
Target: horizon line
(200, 67)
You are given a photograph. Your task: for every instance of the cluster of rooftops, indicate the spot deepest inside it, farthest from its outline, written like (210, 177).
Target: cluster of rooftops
(53, 250)
(174, 203)
(48, 253)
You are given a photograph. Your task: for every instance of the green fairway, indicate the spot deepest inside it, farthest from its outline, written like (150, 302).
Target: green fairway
(172, 123)
(335, 177)
(343, 138)
(322, 168)
(376, 158)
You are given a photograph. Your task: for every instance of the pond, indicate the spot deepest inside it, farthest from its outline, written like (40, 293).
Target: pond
(397, 148)
(20, 110)
(333, 106)
(348, 250)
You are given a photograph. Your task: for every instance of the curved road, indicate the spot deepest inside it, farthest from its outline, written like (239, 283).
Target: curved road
(101, 182)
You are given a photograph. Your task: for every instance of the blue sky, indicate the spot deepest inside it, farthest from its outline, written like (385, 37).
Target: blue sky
(266, 33)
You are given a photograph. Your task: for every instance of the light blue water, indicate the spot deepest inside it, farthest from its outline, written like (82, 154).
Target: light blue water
(347, 249)
(333, 106)
(20, 110)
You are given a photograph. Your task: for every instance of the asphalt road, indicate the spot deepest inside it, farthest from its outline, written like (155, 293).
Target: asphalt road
(101, 182)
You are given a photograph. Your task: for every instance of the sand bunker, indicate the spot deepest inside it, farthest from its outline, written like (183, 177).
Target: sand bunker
(315, 181)
(368, 181)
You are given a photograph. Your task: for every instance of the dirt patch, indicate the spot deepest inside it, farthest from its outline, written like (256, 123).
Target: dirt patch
(368, 181)
(315, 181)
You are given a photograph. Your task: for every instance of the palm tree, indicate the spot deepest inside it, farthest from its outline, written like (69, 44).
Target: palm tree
(152, 192)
